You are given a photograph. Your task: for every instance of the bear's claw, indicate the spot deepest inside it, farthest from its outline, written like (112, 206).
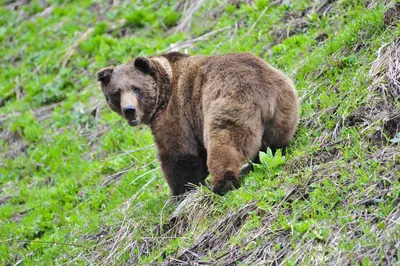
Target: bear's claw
(228, 182)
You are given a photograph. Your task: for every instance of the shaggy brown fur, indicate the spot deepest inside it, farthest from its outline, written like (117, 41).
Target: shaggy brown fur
(208, 114)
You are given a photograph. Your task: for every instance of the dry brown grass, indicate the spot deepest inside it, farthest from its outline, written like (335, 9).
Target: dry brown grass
(385, 72)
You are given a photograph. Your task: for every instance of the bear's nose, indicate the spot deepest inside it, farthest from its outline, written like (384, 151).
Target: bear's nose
(129, 111)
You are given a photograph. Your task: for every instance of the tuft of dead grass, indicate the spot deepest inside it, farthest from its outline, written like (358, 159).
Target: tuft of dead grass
(385, 72)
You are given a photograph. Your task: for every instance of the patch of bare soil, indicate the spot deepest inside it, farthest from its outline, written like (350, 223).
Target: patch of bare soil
(103, 232)
(16, 145)
(327, 154)
(392, 16)
(15, 4)
(384, 119)
(5, 199)
(19, 215)
(294, 23)
(297, 22)
(322, 37)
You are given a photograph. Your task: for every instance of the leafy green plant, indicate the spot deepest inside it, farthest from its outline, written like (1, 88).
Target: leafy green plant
(270, 163)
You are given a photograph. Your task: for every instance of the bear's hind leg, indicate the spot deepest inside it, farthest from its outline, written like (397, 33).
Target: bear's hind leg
(233, 132)
(223, 163)
(227, 152)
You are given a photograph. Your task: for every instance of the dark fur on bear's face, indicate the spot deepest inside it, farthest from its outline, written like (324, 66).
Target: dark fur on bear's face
(208, 114)
(131, 90)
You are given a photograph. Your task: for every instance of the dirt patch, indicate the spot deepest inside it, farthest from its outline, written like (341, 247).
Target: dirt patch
(294, 23)
(324, 156)
(15, 4)
(5, 199)
(392, 125)
(7, 96)
(17, 217)
(103, 233)
(383, 118)
(392, 16)
(298, 22)
(327, 154)
(292, 16)
(16, 145)
(367, 114)
(322, 37)
(324, 7)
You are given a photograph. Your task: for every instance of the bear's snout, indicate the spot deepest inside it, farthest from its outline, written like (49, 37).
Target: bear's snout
(130, 112)
(130, 115)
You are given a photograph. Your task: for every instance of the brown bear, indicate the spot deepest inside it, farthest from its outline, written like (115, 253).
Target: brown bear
(208, 114)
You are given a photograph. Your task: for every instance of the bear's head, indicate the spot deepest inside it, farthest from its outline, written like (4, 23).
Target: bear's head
(131, 89)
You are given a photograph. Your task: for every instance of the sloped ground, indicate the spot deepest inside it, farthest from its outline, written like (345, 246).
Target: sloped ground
(80, 187)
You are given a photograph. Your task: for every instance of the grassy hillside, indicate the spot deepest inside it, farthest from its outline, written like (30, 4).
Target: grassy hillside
(79, 186)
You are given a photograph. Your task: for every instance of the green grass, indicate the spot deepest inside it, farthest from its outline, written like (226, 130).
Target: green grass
(79, 186)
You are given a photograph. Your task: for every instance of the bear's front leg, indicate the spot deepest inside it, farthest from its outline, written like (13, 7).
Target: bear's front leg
(182, 172)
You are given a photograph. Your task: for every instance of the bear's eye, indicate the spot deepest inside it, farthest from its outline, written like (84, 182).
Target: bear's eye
(116, 93)
(135, 90)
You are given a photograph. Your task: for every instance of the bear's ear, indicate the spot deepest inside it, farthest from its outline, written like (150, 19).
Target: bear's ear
(104, 75)
(143, 64)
